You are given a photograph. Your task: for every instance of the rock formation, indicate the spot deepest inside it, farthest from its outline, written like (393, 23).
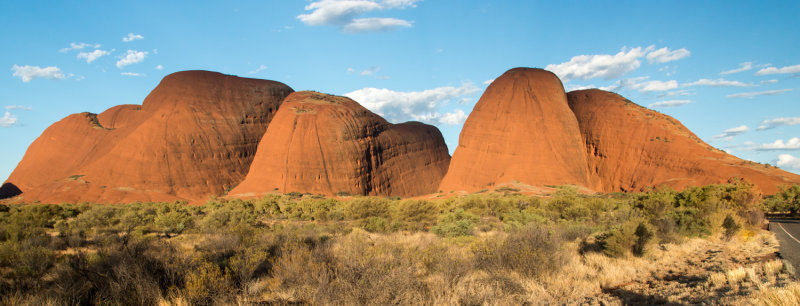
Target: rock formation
(630, 148)
(326, 144)
(194, 135)
(521, 129)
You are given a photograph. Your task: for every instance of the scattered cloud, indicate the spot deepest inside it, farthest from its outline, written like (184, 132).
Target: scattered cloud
(788, 161)
(91, 56)
(131, 57)
(727, 135)
(398, 106)
(78, 46)
(782, 70)
(8, 120)
(791, 144)
(18, 107)
(749, 95)
(488, 82)
(370, 70)
(782, 121)
(344, 13)
(28, 73)
(664, 55)
(131, 37)
(717, 83)
(375, 24)
(669, 103)
(641, 84)
(133, 74)
(604, 66)
(453, 118)
(677, 93)
(607, 66)
(742, 67)
(773, 81)
(257, 70)
(159, 67)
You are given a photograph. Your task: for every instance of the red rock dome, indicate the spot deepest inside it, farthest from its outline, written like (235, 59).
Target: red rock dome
(521, 129)
(324, 144)
(194, 136)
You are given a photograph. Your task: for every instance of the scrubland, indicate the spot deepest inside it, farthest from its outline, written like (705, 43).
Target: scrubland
(498, 247)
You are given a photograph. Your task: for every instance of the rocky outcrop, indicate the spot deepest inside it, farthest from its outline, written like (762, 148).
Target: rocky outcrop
(521, 129)
(326, 144)
(194, 135)
(630, 148)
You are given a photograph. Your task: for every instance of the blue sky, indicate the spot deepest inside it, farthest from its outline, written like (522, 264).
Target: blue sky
(729, 70)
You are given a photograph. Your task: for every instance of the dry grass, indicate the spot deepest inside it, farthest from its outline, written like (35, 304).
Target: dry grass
(779, 296)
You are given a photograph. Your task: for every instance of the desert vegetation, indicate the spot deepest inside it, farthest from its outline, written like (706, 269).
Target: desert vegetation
(494, 247)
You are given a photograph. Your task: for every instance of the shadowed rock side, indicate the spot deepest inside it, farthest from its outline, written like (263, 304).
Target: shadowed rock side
(326, 144)
(522, 130)
(630, 148)
(194, 135)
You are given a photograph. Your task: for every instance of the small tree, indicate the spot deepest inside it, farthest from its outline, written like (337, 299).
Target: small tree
(730, 226)
(643, 235)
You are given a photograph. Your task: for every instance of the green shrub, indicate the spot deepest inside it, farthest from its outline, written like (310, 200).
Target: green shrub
(455, 224)
(415, 214)
(375, 224)
(532, 251)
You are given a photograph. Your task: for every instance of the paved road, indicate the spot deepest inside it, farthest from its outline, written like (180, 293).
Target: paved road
(788, 233)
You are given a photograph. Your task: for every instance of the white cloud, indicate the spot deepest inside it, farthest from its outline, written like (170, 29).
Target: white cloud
(640, 84)
(773, 123)
(791, 144)
(133, 74)
(343, 13)
(370, 70)
(772, 81)
(78, 46)
(257, 70)
(717, 83)
(28, 73)
(375, 24)
(788, 162)
(18, 107)
(604, 66)
(607, 66)
(782, 70)
(649, 86)
(398, 106)
(488, 82)
(759, 93)
(131, 57)
(727, 135)
(8, 120)
(669, 103)
(453, 118)
(742, 67)
(91, 56)
(664, 55)
(676, 93)
(131, 37)
(159, 67)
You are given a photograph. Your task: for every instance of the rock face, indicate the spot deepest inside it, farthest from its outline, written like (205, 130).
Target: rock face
(521, 129)
(630, 148)
(195, 135)
(326, 144)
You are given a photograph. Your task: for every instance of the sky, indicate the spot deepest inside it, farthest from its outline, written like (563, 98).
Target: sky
(728, 70)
